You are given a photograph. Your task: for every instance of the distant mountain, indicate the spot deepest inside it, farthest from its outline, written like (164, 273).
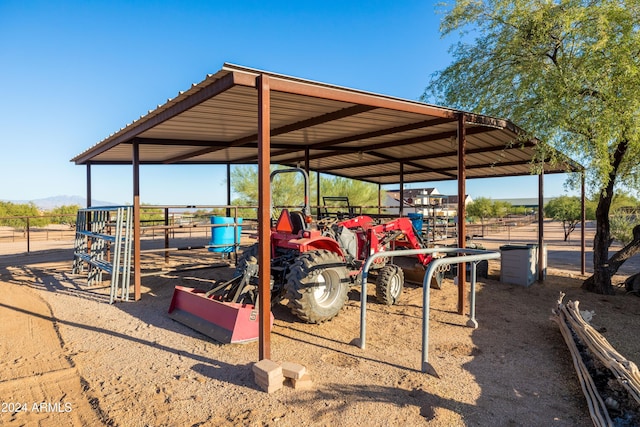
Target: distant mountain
(49, 203)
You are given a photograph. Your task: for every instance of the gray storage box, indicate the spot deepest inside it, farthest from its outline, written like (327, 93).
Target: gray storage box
(519, 264)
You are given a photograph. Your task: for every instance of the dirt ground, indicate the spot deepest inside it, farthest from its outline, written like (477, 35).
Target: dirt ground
(68, 357)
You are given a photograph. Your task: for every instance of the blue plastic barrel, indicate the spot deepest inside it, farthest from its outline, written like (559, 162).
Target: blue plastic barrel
(416, 220)
(222, 238)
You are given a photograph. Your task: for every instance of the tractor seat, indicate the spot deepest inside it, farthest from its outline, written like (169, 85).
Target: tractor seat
(291, 222)
(297, 221)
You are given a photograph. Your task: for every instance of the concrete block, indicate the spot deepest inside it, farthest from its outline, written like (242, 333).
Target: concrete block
(270, 387)
(267, 369)
(272, 377)
(293, 370)
(303, 383)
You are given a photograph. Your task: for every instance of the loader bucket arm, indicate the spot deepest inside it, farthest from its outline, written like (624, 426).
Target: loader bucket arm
(392, 230)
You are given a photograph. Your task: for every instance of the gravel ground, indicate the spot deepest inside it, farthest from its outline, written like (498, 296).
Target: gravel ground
(129, 364)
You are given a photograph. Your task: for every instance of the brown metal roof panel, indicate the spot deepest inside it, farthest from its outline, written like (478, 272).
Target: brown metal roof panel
(372, 172)
(218, 131)
(492, 158)
(437, 163)
(212, 84)
(217, 110)
(148, 153)
(378, 119)
(159, 153)
(407, 139)
(386, 136)
(401, 139)
(307, 103)
(321, 134)
(320, 90)
(497, 171)
(411, 152)
(122, 152)
(223, 107)
(228, 154)
(289, 109)
(383, 118)
(493, 138)
(437, 130)
(331, 125)
(292, 156)
(325, 163)
(220, 114)
(365, 122)
(186, 123)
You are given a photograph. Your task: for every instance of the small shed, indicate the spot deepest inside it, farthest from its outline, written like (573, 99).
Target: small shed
(240, 115)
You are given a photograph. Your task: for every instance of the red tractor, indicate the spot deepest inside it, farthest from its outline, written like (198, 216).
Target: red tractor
(313, 268)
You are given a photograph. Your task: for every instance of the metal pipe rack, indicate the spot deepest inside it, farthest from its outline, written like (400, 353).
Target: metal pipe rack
(476, 256)
(104, 244)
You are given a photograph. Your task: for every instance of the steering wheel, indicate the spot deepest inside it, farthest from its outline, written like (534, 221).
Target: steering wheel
(326, 222)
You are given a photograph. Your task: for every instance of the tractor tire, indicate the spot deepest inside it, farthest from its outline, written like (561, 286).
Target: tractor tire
(482, 269)
(317, 286)
(389, 284)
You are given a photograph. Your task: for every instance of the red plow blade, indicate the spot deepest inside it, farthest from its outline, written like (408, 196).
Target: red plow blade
(225, 322)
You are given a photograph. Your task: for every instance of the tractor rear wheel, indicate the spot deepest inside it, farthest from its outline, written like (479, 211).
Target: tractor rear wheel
(389, 284)
(317, 286)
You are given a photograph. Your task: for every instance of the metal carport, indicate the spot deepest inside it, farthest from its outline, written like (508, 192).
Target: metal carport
(247, 116)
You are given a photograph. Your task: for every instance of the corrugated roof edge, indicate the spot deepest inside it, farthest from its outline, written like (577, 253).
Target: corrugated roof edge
(228, 68)
(182, 95)
(234, 67)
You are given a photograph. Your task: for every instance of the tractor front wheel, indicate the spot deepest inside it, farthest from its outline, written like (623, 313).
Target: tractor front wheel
(317, 286)
(389, 284)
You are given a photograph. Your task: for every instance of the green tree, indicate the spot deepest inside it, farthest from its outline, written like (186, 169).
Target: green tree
(482, 208)
(590, 206)
(151, 216)
(500, 208)
(288, 189)
(66, 214)
(566, 209)
(622, 226)
(20, 210)
(519, 210)
(360, 193)
(624, 201)
(568, 72)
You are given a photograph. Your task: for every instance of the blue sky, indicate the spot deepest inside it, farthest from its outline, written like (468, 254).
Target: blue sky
(74, 72)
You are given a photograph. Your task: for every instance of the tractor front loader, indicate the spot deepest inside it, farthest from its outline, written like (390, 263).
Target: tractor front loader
(311, 268)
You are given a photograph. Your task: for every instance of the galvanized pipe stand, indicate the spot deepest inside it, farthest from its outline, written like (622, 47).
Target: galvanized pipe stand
(104, 244)
(476, 255)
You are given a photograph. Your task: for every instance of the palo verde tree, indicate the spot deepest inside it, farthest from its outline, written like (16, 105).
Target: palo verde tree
(625, 211)
(501, 208)
(566, 71)
(482, 208)
(566, 209)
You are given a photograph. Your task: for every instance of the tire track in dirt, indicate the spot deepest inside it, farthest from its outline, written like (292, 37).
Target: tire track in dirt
(39, 383)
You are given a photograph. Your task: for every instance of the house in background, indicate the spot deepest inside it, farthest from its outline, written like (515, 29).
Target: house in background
(427, 201)
(450, 204)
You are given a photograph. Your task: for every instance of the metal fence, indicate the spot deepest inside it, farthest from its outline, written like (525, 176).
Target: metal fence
(27, 234)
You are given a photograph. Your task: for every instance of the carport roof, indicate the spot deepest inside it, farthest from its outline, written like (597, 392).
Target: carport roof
(339, 131)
